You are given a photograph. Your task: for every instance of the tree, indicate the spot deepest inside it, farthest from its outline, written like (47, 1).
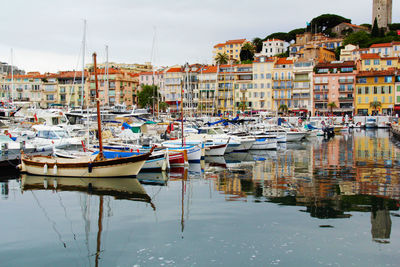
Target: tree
(375, 29)
(375, 105)
(242, 106)
(337, 52)
(277, 35)
(247, 52)
(258, 43)
(291, 36)
(360, 38)
(326, 22)
(163, 106)
(283, 108)
(332, 105)
(145, 96)
(222, 58)
(394, 26)
(369, 26)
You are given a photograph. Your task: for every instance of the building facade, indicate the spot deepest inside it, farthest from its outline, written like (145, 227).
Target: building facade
(334, 84)
(282, 77)
(262, 84)
(375, 86)
(303, 87)
(231, 47)
(272, 47)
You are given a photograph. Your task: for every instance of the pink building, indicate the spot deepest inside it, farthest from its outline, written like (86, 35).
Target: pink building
(334, 82)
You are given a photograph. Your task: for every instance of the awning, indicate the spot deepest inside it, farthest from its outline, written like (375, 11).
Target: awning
(397, 107)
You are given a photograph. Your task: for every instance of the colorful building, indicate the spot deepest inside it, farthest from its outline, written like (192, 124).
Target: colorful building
(334, 82)
(272, 47)
(231, 47)
(282, 77)
(375, 86)
(208, 90)
(374, 62)
(261, 94)
(303, 86)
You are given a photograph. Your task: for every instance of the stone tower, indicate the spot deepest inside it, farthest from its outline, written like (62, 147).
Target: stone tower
(382, 11)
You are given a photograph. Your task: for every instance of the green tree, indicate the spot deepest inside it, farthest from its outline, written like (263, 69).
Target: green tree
(222, 58)
(326, 22)
(247, 52)
(369, 26)
(163, 106)
(145, 96)
(337, 52)
(394, 26)
(242, 106)
(277, 35)
(331, 106)
(258, 43)
(283, 108)
(360, 38)
(291, 36)
(375, 105)
(375, 29)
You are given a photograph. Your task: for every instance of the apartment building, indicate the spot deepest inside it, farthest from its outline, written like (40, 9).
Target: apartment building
(243, 78)
(375, 86)
(262, 84)
(208, 90)
(309, 39)
(272, 47)
(334, 82)
(231, 47)
(282, 77)
(374, 62)
(303, 86)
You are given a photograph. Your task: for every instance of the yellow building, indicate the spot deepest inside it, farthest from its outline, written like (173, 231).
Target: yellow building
(231, 47)
(282, 78)
(261, 95)
(375, 86)
(371, 62)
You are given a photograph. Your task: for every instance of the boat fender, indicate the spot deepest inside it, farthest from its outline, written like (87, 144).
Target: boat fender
(55, 169)
(45, 169)
(55, 183)
(90, 167)
(45, 184)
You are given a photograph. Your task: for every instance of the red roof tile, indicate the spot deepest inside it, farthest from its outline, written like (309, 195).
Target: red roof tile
(381, 45)
(370, 56)
(282, 61)
(376, 73)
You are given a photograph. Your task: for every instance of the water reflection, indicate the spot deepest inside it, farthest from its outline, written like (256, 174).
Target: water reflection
(351, 172)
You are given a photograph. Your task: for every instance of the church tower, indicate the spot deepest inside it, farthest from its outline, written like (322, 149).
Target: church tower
(382, 11)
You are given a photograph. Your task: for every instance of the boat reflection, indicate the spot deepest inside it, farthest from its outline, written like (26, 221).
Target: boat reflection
(153, 178)
(119, 188)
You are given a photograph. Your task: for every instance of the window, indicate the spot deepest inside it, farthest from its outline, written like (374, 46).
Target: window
(262, 86)
(262, 76)
(375, 79)
(359, 90)
(359, 100)
(366, 90)
(367, 62)
(375, 90)
(362, 80)
(389, 89)
(367, 99)
(389, 62)
(388, 79)
(376, 61)
(255, 76)
(383, 99)
(282, 75)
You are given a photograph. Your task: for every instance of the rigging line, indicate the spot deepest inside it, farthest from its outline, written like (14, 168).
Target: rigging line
(85, 211)
(53, 224)
(66, 217)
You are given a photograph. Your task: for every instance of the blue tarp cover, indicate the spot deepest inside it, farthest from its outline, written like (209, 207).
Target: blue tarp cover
(113, 154)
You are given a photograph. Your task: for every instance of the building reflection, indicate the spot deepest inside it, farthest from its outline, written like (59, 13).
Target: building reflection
(351, 172)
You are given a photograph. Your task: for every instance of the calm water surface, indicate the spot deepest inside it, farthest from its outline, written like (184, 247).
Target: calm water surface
(329, 203)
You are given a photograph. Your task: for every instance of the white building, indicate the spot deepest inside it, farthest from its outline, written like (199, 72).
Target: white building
(272, 47)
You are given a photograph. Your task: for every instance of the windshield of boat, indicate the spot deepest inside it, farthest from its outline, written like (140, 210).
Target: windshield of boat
(57, 134)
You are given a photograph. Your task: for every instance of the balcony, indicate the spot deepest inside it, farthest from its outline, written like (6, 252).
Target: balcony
(346, 98)
(281, 87)
(346, 80)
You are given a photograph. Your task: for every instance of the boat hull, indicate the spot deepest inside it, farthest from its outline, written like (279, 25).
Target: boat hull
(216, 150)
(83, 167)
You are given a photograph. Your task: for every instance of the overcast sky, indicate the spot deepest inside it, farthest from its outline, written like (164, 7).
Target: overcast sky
(46, 35)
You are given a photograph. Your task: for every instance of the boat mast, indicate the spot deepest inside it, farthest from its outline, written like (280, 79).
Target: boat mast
(83, 64)
(98, 107)
(12, 77)
(100, 229)
(106, 89)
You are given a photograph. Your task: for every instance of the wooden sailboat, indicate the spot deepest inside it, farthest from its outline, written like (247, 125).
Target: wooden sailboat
(87, 166)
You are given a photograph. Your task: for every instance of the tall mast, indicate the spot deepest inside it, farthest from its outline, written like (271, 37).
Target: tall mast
(98, 107)
(106, 89)
(100, 229)
(12, 77)
(83, 63)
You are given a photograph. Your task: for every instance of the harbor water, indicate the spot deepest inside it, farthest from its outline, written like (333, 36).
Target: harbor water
(312, 203)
